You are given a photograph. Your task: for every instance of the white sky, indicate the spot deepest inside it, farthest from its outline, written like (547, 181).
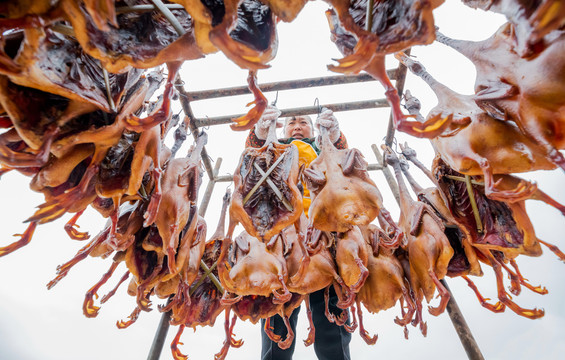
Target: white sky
(37, 323)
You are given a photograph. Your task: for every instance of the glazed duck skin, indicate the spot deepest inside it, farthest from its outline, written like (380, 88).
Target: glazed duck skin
(525, 91)
(126, 46)
(506, 226)
(203, 305)
(179, 184)
(385, 284)
(464, 260)
(396, 26)
(263, 213)
(343, 194)
(47, 61)
(243, 275)
(532, 20)
(429, 250)
(478, 144)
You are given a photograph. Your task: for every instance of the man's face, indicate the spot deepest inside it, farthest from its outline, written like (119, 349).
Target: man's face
(298, 127)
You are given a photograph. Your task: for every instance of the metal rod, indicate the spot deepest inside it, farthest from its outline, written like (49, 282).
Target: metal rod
(286, 85)
(388, 174)
(209, 189)
(169, 16)
(187, 109)
(400, 80)
(308, 110)
(463, 331)
(160, 336)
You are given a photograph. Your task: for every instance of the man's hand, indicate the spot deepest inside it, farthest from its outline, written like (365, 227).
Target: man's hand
(270, 114)
(328, 122)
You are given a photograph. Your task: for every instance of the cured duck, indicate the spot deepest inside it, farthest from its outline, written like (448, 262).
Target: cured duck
(266, 197)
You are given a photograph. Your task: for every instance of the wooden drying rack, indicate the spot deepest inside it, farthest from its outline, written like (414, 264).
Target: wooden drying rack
(398, 74)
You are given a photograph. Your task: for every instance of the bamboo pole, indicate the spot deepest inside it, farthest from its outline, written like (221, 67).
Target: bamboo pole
(169, 16)
(160, 336)
(229, 178)
(145, 8)
(187, 109)
(285, 85)
(209, 189)
(224, 178)
(387, 173)
(307, 110)
(400, 81)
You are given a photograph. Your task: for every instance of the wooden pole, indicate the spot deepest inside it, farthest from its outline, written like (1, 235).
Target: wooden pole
(160, 336)
(307, 110)
(209, 189)
(187, 109)
(400, 80)
(465, 335)
(285, 85)
(387, 173)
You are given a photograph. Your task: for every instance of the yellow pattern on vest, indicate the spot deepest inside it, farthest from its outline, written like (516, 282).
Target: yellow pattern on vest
(306, 154)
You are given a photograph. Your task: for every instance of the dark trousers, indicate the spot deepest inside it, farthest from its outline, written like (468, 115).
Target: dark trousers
(331, 342)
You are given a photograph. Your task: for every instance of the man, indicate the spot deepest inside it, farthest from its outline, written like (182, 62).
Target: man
(331, 341)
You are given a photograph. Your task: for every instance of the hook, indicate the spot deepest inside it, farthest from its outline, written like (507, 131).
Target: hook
(274, 103)
(317, 104)
(394, 142)
(229, 184)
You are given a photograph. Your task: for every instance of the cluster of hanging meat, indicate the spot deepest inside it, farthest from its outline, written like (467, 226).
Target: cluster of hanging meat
(272, 267)
(81, 116)
(512, 124)
(120, 35)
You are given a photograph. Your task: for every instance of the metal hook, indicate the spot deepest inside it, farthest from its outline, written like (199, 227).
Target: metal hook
(395, 143)
(229, 184)
(317, 104)
(274, 103)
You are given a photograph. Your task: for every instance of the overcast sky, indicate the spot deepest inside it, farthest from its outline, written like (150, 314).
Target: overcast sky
(37, 323)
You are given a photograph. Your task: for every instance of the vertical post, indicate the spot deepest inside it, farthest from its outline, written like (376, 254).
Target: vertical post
(209, 189)
(461, 327)
(388, 174)
(160, 336)
(400, 80)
